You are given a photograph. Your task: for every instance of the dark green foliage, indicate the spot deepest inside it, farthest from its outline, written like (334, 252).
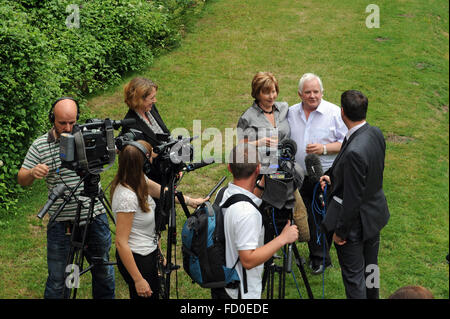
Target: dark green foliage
(65, 47)
(28, 81)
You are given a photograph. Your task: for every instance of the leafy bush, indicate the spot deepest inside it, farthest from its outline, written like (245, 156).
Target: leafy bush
(108, 39)
(46, 53)
(28, 80)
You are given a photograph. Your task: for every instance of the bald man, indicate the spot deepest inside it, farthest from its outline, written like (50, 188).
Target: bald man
(43, 162)
(65, 116)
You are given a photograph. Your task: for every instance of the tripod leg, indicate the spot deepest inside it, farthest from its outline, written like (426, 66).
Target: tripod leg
(107, 207)
(272, 280)
(171, 236)
(299, 263)
(268, 278)
(74, 265)
(281, 281)
(71, 276)
(283, 274)
(72, 270)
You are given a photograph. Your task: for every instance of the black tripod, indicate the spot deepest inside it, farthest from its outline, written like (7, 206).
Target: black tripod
(167, 216)
(274, 221)
(78, 231)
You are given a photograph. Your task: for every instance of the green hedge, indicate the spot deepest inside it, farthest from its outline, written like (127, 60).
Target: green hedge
(45, 53)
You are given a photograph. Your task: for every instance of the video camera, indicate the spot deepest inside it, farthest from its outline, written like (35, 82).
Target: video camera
(285, 159)
(284, 177)
(178, 151)
(90, 146)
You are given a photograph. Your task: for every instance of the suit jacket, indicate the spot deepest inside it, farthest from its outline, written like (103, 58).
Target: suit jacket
(357, 198)
(140, 125)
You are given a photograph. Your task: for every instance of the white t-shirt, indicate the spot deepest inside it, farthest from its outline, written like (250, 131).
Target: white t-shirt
(143, 239)
(243, 231)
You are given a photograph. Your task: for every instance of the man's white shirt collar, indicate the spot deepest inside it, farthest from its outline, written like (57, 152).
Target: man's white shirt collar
(354, 129)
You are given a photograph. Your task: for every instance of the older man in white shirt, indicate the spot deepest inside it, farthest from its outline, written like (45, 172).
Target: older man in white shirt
(317, 128)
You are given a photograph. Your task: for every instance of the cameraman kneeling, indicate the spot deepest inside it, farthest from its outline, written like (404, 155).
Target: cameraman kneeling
(243, 225)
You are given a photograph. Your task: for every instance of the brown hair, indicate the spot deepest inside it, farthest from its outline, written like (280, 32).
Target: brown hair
(263, 82)
(130, 173)
(137, 90)
(243, 160)
(412, 292)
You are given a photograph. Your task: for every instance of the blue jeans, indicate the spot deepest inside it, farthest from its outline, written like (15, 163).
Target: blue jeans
(98, 245)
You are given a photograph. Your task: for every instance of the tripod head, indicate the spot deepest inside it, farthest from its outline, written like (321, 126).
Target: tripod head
(91, 189)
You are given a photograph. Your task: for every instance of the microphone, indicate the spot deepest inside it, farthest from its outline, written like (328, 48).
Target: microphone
(289, 148)
(315, 171)
(193, 166)
(56, 192)
(313, 167)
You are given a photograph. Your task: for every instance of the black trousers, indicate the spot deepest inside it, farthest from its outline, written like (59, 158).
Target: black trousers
(318, 247)
(147, 266)
(359, 267)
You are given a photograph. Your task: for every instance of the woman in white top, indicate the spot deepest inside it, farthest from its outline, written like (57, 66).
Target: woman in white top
(134, 207)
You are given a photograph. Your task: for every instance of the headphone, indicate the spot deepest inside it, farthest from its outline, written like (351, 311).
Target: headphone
(145, 153)
(51, 113)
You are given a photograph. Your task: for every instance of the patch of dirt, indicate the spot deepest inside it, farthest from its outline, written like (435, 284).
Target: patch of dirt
(398, 139)
(407, 15)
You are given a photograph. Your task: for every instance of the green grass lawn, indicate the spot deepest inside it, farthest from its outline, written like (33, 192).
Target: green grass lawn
(402, 67)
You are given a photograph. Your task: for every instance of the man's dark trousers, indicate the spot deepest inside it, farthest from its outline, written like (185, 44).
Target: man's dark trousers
(359, 259)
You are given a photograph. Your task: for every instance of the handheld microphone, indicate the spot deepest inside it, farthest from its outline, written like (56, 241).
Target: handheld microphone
(57, 192)
(193, 166)
(315, 171)
(313, 167)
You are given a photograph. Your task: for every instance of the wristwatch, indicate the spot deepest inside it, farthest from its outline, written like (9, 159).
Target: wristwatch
(324, 149)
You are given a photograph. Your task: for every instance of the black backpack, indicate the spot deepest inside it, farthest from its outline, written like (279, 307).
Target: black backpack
(203, 249)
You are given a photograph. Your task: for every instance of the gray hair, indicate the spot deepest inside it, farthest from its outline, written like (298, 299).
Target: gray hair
(308, 77)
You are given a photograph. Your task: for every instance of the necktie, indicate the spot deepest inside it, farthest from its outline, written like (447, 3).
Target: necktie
(344, 142)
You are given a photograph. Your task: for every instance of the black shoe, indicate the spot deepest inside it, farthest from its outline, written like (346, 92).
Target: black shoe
(318, 269)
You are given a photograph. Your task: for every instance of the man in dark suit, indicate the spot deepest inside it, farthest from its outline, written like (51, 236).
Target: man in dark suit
(357, 208)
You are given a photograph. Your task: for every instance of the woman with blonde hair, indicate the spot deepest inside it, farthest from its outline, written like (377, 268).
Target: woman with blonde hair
(134, 208)
(265, 125)
(265, 116)
(140, 97)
